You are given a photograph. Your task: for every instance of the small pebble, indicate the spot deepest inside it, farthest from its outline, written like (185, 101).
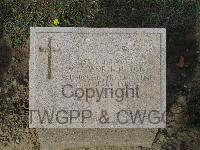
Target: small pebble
(5, 90)
(183, 75)
(17, 141)
(14, 82)
(133, 9)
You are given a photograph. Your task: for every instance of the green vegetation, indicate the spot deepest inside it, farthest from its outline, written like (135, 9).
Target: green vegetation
(178, 16)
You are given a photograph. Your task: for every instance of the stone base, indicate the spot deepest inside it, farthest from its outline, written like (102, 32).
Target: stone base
(51, 139)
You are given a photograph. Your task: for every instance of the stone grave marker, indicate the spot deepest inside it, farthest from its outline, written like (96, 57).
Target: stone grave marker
(96, 78)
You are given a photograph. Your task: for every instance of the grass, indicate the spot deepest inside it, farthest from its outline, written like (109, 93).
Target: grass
(178, 16)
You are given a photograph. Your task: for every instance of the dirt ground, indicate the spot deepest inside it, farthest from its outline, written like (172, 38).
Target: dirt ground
(183, 70)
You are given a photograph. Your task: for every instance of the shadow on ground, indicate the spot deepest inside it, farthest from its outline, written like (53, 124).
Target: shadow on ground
(178, 17)
(5, 58)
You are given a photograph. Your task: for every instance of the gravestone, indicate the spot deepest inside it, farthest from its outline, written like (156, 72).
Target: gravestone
(89, 78)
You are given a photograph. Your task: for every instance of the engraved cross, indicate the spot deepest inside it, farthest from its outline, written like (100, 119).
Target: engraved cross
(49, 50)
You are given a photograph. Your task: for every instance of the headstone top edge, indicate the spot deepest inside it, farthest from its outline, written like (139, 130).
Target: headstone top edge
(96, 30)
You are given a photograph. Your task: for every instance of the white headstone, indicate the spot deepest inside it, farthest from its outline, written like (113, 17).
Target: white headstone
(97, 78)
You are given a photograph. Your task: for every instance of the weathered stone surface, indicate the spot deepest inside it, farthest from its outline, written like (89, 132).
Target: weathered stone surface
(51, 139)
(97, 74)
(129, 63)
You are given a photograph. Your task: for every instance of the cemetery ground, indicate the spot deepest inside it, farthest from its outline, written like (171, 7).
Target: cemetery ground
(180, 18)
